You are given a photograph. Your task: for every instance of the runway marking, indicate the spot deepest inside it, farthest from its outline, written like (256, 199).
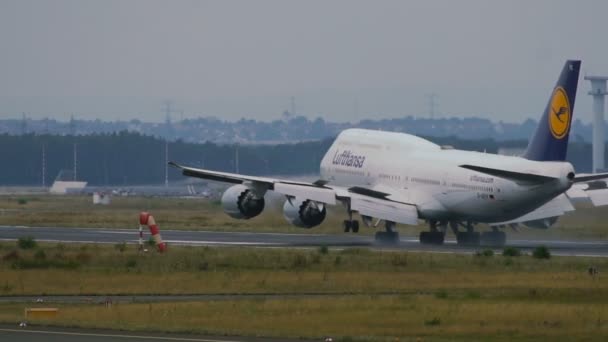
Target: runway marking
(131, 232)
(116, 336)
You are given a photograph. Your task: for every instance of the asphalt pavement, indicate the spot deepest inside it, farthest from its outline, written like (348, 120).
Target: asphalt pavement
(210, 238)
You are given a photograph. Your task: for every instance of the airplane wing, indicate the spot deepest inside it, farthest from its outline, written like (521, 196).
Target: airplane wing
(368, 202)
(595, 191)
(515, 176)
(554, 208)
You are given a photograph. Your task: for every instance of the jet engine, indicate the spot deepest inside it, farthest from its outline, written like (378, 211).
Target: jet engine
(240, 202)
(304, 214)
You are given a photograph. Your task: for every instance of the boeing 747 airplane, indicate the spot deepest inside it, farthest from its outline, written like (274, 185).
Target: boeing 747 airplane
(401, 178)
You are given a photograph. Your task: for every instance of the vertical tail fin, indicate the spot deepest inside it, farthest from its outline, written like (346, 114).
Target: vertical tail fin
(550, 140)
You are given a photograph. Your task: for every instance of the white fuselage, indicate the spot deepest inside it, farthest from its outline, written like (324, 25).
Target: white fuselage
(417, 171)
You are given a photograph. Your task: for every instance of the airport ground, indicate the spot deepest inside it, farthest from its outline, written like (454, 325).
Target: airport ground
(308, 293)
(586, 222)
(350, 294)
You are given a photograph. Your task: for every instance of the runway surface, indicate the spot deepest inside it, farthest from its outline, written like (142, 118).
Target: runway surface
(207, 238)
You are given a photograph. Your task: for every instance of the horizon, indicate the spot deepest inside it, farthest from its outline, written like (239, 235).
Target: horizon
(230, 120)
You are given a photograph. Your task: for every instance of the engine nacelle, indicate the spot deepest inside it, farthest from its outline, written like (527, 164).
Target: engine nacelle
(240, 202)
(304, 214)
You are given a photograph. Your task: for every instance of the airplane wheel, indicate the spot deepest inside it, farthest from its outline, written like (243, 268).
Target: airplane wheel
(468, 239)
(432, 238)
(355, 226)
(346, 224)
(387, 237)
(497, 238)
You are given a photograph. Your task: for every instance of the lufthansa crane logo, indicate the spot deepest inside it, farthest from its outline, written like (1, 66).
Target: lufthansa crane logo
(559, 113)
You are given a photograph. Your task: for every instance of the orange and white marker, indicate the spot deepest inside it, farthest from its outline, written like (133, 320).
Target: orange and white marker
(146, 219)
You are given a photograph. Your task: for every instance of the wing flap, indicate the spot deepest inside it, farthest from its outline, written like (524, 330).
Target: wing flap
(383, 209)
(323, 195)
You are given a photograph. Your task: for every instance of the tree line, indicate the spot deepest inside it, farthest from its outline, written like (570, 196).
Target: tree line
(127, 158)
(132, 158)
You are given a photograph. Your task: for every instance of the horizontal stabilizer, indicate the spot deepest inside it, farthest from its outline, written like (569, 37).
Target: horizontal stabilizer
(591, 177)
(598, 197)
(556, 207)
(512, 175)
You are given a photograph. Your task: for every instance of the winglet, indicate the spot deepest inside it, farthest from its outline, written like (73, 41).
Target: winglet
(174, 164)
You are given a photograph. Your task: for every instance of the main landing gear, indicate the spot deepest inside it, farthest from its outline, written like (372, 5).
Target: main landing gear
(468, 238)
(494, 238)
(350, 224)
(390, 236)
(432, 237)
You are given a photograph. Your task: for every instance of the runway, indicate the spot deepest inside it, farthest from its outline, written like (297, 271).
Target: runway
(209, 238)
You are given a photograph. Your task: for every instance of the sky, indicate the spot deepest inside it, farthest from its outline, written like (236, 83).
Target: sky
(343, 60)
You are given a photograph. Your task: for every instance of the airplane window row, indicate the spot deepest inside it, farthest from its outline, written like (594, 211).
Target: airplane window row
(421, 181)
(391, 177)
(426, 181)
(473, 187)
(350, 172)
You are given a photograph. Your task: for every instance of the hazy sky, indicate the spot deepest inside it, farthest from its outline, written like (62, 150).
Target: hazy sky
(344, 60)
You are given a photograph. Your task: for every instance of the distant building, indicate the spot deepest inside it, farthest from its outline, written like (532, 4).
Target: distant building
(511, 151)
(65, 183)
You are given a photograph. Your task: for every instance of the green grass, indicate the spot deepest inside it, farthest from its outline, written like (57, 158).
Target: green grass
(123, 212)
(404, 317)
(377, 295)
(102, 269)
(373, 295)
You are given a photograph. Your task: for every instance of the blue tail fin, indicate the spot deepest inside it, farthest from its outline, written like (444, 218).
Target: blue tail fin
(550, 141)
